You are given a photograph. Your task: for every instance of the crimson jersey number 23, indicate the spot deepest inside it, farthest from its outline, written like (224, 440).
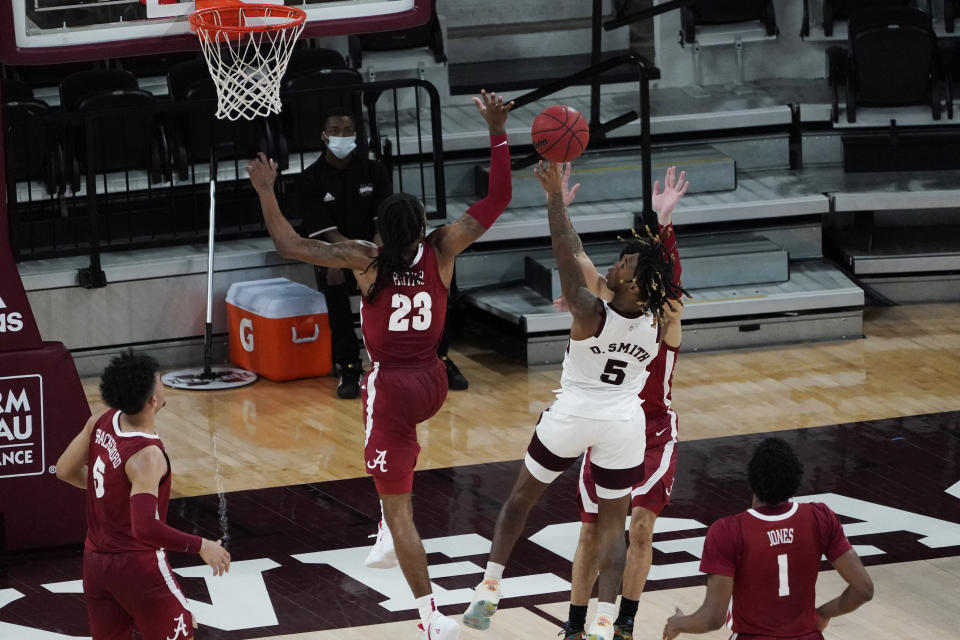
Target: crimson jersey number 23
(409, 313)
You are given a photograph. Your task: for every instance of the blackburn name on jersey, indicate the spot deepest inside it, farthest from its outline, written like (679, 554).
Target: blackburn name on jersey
(603, 375)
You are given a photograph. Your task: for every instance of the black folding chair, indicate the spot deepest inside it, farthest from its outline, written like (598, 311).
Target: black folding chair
(711, 12)
(891, 61)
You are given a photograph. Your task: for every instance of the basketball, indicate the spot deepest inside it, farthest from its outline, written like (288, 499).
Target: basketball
(560, 133)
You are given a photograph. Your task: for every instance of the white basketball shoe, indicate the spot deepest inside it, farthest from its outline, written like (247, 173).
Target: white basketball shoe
(484, 605)
(440, 627)
(601, 629)
(382, 555)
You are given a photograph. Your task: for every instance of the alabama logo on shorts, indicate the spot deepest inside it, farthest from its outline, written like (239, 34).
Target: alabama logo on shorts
(379, 461)
(181, 628)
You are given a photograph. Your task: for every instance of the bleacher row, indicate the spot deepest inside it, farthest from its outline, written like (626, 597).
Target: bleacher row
(140, 137)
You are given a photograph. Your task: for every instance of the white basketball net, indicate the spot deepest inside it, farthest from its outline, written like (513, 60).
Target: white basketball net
(248, 47)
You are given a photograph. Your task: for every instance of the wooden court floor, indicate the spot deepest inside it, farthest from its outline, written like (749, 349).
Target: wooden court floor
(278, 435)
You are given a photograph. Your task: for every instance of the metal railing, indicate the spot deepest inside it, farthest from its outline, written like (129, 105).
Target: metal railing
(127, 178)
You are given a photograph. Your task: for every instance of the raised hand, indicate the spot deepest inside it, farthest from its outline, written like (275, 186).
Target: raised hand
(262, 172)
(491, 107)
(672, 311)
(554, 178)
(665, 201)
(568, 194)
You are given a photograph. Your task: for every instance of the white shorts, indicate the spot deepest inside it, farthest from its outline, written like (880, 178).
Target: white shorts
(616, 456)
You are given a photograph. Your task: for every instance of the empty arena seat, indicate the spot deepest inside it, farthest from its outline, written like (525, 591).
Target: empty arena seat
(195, 129)
(302, 112)
(78, 86)
(844, 9)
(891, 61)
(16, 90)
(51, 75)
(429, 35)
(310, 59)
(127, 137)
(33, 149)
(712, 12)
(155, 65)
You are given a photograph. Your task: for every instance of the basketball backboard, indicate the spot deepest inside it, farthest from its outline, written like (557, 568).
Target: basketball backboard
(51, 31)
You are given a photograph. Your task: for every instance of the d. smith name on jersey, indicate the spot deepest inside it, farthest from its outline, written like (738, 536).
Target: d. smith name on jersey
(634, 350)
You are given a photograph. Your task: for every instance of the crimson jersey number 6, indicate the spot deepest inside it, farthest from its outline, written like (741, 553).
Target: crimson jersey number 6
(399, 320)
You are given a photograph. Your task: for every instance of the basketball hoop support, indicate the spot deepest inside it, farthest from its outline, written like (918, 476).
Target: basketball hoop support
(210, 378)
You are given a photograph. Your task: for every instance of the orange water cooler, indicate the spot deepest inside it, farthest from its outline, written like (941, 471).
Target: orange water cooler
(279, 329)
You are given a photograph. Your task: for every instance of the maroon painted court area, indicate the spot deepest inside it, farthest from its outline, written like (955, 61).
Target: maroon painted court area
(893, 473)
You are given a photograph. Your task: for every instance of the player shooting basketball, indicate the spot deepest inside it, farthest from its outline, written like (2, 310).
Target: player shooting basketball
(404, 286)
(598, 408)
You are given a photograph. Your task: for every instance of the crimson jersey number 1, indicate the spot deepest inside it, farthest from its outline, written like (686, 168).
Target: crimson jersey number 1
(400, 319)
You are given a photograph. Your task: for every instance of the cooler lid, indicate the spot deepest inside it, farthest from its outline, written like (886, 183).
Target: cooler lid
(276, 298)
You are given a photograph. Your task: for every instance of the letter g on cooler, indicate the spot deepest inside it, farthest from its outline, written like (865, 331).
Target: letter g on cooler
(246, 334)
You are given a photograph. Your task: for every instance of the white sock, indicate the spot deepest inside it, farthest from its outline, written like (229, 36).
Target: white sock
(426, 606)
(494, 571)
(607, 609)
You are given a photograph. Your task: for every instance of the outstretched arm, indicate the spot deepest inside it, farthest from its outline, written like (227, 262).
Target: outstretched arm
(567, 249)
(664, 203)
(451, 239)
(349, 254)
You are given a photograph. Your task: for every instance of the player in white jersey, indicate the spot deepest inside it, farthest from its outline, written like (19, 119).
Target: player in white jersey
(598, 406)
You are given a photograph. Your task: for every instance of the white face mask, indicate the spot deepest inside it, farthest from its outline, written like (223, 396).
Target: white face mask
(341, 146)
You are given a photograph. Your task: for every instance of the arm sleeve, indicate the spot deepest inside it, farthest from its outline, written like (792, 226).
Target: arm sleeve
(499, 185)
(669, 241)
(721, 549)
(833, 542)
(146, 527)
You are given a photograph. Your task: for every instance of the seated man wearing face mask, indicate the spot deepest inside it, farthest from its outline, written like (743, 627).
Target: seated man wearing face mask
(338, 197)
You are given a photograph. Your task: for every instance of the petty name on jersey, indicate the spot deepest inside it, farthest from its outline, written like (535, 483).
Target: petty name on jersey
(408, 279)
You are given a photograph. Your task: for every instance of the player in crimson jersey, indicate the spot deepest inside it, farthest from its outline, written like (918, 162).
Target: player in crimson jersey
(404, 288)
(652, 495)
(120, 460)
(768, 558)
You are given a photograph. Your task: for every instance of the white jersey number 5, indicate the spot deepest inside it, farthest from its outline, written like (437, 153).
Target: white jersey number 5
(98, 469)
(399, 320)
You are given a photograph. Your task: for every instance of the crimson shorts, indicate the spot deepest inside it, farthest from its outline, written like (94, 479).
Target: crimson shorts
(395, 400)
(660, 466)
(134, 589)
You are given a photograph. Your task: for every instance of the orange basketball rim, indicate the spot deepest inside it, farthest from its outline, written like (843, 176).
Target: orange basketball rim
(247, 47)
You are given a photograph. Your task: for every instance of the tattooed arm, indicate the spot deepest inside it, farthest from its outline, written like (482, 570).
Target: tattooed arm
(348, 254)
(586, 308)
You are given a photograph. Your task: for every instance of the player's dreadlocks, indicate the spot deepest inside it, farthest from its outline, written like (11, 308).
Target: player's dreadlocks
(401, 220)
(775, 471)
(654, 272)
